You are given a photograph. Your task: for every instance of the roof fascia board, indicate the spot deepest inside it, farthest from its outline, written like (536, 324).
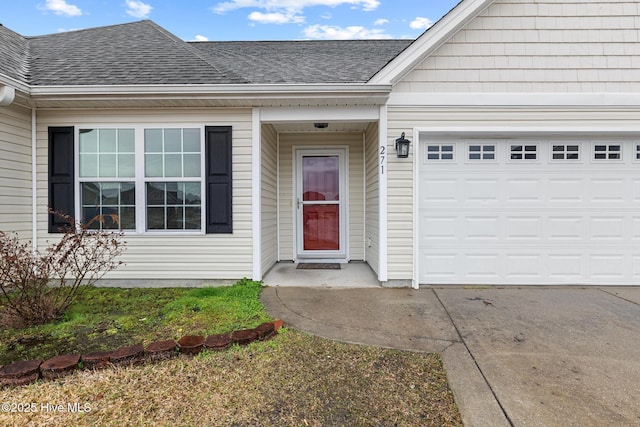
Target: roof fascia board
(430, 40)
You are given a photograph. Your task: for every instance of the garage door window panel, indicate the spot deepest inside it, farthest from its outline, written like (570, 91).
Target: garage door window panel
(481, 152)
(604, 151)
(439, 152)
(520, 152)
(570, 152)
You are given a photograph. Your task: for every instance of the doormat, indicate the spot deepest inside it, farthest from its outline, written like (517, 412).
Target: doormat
(318, 266)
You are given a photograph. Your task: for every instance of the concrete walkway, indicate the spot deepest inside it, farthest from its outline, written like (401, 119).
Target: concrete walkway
(534, 356)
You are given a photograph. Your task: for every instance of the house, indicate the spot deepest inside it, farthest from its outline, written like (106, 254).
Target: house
(224, 158)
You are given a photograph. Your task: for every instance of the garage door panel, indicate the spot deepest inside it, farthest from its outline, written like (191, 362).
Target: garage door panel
(523, 190)
(605, 266)
(523, 228)
(482, 190)
(608, 228)
(542, 222)
(566, 190)
(561, 228)
(608, 190)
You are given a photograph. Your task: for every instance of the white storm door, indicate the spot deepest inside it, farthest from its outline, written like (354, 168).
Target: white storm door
(320, 203)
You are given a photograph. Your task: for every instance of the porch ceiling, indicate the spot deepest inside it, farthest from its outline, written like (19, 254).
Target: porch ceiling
(332, 126)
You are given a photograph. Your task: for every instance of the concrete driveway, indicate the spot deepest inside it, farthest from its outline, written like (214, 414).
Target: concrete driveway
(531, 356)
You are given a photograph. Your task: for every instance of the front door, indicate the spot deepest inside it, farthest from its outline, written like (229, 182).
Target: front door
(321, 199)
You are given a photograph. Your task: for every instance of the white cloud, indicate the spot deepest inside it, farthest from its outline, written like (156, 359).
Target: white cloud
(291, 5)
(276, 18)
(329, 32)
(200, 38)
(379, 22)
(421, 23)
(61, 7)
(138, 9)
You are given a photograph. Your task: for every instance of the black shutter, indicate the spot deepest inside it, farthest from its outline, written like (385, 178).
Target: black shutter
(218, 176)
(61, 186)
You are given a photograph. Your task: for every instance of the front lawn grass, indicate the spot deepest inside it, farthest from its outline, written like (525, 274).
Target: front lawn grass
(293, 379)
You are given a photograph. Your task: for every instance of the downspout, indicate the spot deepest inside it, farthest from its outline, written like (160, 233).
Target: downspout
(415, 280)
(7, 95)
(256, 189)
(34, 182)
(364, 195)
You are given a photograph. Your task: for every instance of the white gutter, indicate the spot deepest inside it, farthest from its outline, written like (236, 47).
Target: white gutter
(211, 90)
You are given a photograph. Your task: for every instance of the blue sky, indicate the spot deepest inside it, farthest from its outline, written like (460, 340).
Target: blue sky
(233, 19)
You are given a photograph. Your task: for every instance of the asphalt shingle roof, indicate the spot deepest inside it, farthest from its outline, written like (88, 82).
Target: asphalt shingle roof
(128, 54)
(331, 61)
(14, 53)
(143, 53)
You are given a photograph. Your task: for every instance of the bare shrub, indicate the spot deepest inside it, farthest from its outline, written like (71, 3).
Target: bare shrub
(39, 287)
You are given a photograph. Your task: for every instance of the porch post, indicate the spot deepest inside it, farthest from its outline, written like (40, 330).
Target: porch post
(382, 200)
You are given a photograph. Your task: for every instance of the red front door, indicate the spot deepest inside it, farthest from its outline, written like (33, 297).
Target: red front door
(320, 202)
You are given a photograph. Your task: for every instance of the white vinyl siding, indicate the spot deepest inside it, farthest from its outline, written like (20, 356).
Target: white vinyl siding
(533, 46)
(15, 171)
(177, 256)
(355, 226)
(400, 196)
(269, 227)
(372, 198)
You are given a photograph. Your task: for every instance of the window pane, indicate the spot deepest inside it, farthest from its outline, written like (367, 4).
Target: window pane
(191, 140)
(615, 156)
(530, 156)
(432, 148)
(127, 194)
(153, 140)
(153, 165)
(516, 156)
(474, 148)
(192, 218)
(432, 156)
(173, 165)
(126, 141)
(447, 156)
(128, 218)
(126, 166)
(558, 156)
(107, 140)
(88, 165)
(90, 194)
(192, 165)
(489, 148)
(192, 193)
(530, 148)
(600, 156)
(155, 194)
(110, 193)
(447, 148)
(558, 148)
(572, 148)
(155, 218)
(516, 148)
(600, 148)
(88, 141)
(474, 156)
(489, 156)
(107, 167)
(172, 140)
(174, 218)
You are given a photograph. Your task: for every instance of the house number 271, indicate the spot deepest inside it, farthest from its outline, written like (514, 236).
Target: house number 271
(383, 158)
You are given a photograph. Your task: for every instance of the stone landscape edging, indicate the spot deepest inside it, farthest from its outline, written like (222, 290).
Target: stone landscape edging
(29, 371)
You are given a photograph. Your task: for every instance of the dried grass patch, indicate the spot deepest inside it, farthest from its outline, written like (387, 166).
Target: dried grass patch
(293, 380)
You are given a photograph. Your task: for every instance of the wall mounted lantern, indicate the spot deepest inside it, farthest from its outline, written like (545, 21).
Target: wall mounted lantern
(402, 147)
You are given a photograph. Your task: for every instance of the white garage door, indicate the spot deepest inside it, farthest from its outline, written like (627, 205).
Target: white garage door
(529, 211)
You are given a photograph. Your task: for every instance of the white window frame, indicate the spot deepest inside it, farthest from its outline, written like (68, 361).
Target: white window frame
(139, 179)
(607, 152)
(565, 144)
(636, 151)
